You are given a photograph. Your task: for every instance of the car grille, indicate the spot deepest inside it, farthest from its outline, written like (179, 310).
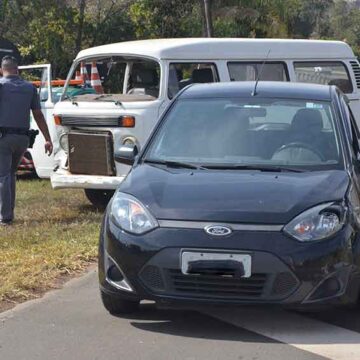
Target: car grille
(151, 277)
(217, 286)
(108, 121)
(259, 286)
(284, 284)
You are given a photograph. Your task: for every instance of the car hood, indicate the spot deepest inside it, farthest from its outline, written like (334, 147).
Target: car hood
(233, 195)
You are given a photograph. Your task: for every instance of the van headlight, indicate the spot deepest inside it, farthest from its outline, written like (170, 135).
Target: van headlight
(130, 215)
(317, 223)
(64, 142)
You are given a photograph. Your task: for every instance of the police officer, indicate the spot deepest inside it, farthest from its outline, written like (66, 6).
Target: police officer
(17, 98)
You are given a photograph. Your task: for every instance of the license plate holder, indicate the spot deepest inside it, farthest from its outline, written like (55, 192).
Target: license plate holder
(197, 257)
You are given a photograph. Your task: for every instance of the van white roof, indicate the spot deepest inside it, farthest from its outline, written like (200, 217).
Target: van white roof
(225, 48)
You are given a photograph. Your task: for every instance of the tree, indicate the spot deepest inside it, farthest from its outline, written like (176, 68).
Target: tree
(345, 23)
(55, 30)
(166, 18)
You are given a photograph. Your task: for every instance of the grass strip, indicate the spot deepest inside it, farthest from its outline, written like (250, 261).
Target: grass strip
(55, 234)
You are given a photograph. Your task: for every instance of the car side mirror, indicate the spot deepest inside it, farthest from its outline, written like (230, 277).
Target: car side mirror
(126, 154)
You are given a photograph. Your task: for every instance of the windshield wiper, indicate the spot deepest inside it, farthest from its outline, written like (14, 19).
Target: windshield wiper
(256, 167)
(104, 96)
(71, 98)
(178, 164)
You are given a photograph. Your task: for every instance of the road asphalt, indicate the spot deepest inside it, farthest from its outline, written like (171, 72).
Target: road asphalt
(71, 323)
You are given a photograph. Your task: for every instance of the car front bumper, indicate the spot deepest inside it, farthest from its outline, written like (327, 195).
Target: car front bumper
(284, 271)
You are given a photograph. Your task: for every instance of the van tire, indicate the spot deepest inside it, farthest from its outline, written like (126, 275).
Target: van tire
(118, 306)
(99, 197)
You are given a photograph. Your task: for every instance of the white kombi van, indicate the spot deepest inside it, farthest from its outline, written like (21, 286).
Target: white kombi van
(133, 82)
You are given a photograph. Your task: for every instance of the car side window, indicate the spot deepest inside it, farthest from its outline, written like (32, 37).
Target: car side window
(355, 134)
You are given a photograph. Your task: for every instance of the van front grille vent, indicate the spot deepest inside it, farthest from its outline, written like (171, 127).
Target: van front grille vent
(356, 69)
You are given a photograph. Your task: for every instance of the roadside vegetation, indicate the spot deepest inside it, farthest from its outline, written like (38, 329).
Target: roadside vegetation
(55, 235)
(53, 31)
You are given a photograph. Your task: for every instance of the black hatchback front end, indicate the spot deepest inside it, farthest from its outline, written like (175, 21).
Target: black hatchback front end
(283, 271)
(190, 233)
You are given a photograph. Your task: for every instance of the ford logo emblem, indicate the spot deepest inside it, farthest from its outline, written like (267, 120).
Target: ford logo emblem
(218, 230)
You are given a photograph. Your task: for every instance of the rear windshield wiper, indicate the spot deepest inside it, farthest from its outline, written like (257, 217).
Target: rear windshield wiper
(256, 167)
(178, 164)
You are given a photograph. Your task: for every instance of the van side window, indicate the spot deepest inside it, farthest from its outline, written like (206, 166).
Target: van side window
(183, 74)
(324, 72)
(249, 71)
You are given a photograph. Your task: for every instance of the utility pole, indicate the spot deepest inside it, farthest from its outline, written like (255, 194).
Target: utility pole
(208, 19)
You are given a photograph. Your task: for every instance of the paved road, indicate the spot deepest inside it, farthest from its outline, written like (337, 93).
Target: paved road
(71, 324)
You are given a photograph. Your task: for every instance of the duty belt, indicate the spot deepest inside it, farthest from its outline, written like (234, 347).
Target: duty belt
(14, 131)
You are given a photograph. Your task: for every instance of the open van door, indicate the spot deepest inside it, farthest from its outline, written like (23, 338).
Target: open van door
(40, 76)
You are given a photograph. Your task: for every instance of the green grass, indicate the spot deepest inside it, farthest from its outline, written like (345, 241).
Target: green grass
(55, 234)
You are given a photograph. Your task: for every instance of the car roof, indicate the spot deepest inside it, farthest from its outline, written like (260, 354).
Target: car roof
(267, 89)
(225, 48)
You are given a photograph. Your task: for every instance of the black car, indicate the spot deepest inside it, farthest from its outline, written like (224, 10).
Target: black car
(239, 197)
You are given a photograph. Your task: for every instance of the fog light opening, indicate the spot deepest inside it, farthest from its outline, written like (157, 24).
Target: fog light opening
(328, 288)
(115, 277)
(114, 274)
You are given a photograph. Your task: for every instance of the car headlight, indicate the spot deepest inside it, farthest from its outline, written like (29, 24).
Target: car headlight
(317, 223)
(129, 214)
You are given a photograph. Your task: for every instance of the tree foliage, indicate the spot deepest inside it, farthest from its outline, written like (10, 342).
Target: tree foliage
(55, 30)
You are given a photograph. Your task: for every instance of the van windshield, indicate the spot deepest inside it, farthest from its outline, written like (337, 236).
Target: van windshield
(254, 131)
(114, 78)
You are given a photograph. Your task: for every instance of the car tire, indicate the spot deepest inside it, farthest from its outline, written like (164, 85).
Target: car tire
(99, 197)
(117, 306)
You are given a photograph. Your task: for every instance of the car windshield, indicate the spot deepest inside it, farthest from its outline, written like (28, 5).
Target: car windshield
(229, 132)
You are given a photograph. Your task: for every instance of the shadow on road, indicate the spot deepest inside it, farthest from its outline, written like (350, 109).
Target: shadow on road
(191, 324)
(253, 324)
(346, 318)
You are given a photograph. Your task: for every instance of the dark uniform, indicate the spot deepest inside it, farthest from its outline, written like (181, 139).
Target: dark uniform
(17, 98)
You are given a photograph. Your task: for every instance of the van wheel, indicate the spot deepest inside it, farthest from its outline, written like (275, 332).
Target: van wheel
(117, 306)
(99, 197)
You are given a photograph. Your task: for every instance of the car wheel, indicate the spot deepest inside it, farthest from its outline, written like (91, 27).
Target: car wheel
(99, 197)
(117, 306)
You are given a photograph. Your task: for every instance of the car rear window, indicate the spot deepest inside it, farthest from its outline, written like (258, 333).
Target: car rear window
(249, 71)
(325, 73)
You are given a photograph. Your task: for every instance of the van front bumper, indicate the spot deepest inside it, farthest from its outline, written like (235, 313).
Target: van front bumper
(62, 179)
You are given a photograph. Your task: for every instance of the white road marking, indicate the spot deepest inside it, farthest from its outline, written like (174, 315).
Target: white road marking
(304, 333)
